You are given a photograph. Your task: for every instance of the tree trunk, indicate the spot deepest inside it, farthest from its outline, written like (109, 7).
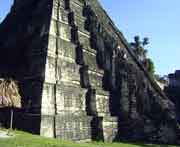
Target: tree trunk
(11, 121)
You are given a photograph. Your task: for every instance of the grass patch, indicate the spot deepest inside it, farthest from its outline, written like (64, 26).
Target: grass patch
(22, 139)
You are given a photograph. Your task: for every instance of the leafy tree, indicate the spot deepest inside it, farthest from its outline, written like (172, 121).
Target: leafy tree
(150, 66)
(138, 47)
(9, 96)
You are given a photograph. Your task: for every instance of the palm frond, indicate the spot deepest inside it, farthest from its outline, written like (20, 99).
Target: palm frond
(9, 94)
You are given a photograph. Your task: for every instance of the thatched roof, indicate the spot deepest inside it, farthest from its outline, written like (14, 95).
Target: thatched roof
(9, 94)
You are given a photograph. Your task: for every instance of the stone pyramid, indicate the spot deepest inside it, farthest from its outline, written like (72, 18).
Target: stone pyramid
(79, 78)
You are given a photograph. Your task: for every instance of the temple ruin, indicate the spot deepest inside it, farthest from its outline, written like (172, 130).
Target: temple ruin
(78, 76)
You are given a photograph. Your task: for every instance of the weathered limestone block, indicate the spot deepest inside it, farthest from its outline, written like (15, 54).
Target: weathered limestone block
(48, 99)
(90, 50)
(90, 60)
(96, 79)
(77, 8)
(79, 2)
(110, 128)
(66, 49)
(80, 22)
(64, 31)
(74, 127)
(64, 16)
(55, 10)
(81, 51)
(50, 70)
(47, 126)
(84, 40)
(70, 97)
(60, 29)
(102, 104)
(68, 71)
(60, 14)
(97, 102)
(61, 3)
(53, 28)
(52, 46)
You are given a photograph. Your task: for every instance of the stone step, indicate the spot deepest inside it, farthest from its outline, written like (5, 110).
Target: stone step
(70, 97)
(74, 127)
(63, 31)
(64, 14)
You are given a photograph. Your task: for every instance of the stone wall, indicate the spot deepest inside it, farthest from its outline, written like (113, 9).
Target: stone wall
(135, 97)
(172, 90)
(79, 78)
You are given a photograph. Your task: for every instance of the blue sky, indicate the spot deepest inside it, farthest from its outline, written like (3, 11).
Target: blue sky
(5, 6)
(157, 19)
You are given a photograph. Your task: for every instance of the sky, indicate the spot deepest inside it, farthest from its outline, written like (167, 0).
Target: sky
(159, 20)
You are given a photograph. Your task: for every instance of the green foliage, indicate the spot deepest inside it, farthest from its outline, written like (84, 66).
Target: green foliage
(138, 47)
(22, 139)
(151, 67)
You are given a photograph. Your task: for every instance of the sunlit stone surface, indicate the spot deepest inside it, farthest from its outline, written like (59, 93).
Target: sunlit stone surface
(79, 78)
